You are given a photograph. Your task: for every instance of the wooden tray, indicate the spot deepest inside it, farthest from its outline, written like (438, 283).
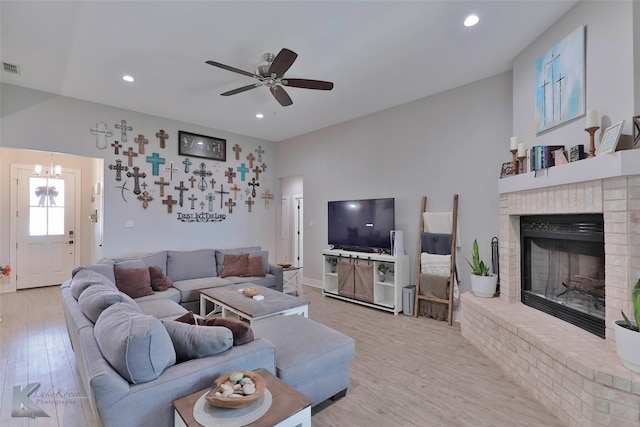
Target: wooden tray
(236, 402)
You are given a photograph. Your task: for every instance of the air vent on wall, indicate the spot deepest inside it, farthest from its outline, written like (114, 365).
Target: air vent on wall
(10, 68)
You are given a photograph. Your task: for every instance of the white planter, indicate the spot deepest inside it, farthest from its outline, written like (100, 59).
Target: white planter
(484, 286)
(628, 346)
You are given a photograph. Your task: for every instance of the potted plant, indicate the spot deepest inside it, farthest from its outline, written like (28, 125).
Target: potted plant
(483, 284)
(628, 335)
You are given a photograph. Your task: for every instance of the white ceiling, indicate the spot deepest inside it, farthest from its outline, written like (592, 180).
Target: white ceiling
(379, 54)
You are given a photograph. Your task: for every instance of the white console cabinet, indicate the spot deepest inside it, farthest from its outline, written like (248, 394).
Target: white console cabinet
(387, 287)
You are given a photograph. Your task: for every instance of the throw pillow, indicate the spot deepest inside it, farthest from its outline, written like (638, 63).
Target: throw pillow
(187, 318)
(255, 267)
(159, 282)
(235, 265)
(85, 278)
(135, 282)
(97, 298)
(242, 332)
(193, 341)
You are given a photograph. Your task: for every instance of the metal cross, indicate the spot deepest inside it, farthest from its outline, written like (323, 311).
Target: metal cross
(141, 141)
(162, 136)
(193, 199)
(123, 130)
(237, 150)
(181, 189)
(230, 204)
(243, 170)
(186, 162)
(210, 198)
(162, 184)
(123, 188)
(144, 185)
(235, 190)
(102, 133)
(192, 180)
(118, 168)
(156, 160)
(253, 184)
(249, 202)
(171, 170)
(251, 158)
(264, 167)
(260, 152)
(230, 174)
(202, 206)
(145, 198)
(116, 147)
(136, 179)
(222, 193)
(202, 173)
(266, 195)
(169, 202)
(130, 153)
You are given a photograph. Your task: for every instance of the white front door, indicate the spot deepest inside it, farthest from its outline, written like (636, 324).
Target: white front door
(45, 227)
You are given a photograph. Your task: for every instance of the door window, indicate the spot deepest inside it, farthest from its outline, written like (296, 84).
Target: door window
(46, 206)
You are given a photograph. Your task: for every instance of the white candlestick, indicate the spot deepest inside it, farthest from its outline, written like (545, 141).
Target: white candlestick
(514, 143)
(521, 151)
(592, 118)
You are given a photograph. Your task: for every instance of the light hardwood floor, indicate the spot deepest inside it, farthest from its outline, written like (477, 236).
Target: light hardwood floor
(406, 372)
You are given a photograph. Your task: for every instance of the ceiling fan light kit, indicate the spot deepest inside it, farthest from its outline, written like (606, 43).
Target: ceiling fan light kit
(271, 75)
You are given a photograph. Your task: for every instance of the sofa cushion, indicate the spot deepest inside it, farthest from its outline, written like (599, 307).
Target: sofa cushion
(136, 345)
(235, 265)
(136, 262)
(193, 341)
(104, 267)
(183, 265)
(135, 282)
(242, 332)
(190, 289)
(97, 298)
(255, 267)
(87, 277)
(162, 308)
(156, 258)
(170, 294)
(159, 281)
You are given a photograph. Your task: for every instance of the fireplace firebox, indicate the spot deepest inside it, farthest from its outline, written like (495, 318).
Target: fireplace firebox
(563, 268)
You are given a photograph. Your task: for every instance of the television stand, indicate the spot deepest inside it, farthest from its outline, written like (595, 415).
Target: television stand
(365, 249)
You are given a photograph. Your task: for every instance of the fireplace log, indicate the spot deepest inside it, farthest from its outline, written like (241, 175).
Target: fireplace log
(586, 285)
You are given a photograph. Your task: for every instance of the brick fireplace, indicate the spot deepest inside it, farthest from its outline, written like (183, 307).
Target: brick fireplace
(574, 373)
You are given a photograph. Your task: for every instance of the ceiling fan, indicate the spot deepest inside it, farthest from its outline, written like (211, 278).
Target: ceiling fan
(271, 75)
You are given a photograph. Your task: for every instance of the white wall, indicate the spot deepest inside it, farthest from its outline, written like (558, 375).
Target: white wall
(453, 142)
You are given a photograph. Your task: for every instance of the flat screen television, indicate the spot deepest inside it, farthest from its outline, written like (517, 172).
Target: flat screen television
(361, 225)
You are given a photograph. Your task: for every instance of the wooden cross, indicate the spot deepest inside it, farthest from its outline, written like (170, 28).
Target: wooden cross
(118, 168)
(249, 202)
(181, 189)
(123, 130)
(235, 190)
(253, 184)
(257, 170)
(266, 196)
(169, 202)
(213, 182)
(116, 147)
(102, 133)
(251, 158)
(230, 174)
(162, 184)
(129, 153)
(162, 136)
(156, 160)
(136, 178)
(264, 167)
(260, 152)
(210, 198)
(193, 199)
(237, 150)
(230, 204)
(192, 180)
(141, 141)
(243, 170)
(222, 193)
(171, 170)
(202, 173)
(186, 162)
(202, 206)
(145, 198)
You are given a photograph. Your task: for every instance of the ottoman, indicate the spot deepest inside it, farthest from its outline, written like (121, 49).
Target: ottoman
(310, 357)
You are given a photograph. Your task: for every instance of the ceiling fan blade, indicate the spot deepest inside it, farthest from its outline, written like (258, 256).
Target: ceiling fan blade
(281, 95)
(281, 63)
(308, 84)
(242, 89)
(235, 70)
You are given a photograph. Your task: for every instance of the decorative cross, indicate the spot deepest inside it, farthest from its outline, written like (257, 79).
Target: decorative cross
(210, 198)
(123, 130)
(237, 150)
(247, 191)
(145, 198)
(243, 170)
(181, 189)
(264, 167)
(257, 170)
(144, 185)
(129, 153)
(171, 170)
(253, 184)
(251, 158)
(141, 141)
(186, 162)
(260, 152)
(193, 199)
(169, 202)
(192, 180)
(222, 193)
(162, 184)
(162, 136)
(202, 206)
(213, 182)
(230, 174)
(136, 179)
(249, 202)
(216, 167)
(116, 147)
(230, 204)
(266, 196)
(156, 160)
(123, 188)
(102, 133)
(202, 173)
(235, 190)
(118, 168)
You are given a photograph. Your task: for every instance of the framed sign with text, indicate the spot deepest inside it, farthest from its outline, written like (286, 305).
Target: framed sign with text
(206, 147)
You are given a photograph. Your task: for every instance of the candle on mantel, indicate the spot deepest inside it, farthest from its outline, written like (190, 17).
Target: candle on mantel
(514, 143)
(592, 119)
(521, 151)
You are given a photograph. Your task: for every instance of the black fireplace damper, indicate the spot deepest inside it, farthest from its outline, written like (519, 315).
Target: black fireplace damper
(563, 268)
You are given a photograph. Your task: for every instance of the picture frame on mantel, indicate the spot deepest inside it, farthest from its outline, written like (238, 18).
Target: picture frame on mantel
(610, 138)
(206, 147)
(507, 169)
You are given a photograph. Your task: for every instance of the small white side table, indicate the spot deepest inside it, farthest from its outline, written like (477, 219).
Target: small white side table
(291, 280)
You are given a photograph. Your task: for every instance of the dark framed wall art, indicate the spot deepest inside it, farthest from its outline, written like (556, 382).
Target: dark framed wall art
(206, 147)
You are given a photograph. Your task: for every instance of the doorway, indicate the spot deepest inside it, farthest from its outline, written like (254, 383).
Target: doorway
(291, 247)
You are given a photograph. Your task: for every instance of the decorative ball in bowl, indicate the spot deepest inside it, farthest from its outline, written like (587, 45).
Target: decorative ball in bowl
(285, 265)
(251, 291)
(236, 389)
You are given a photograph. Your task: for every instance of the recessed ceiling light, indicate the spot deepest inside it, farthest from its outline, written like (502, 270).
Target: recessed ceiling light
(259, 115)
(471, 20)
(128, 78)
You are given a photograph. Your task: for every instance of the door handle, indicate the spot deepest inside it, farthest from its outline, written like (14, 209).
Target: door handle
(71, 242)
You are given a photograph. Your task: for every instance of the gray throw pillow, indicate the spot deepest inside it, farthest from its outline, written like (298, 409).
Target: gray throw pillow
(193, 341)
(184, 265)
(87, 277)
(136, 345)
(97, 298)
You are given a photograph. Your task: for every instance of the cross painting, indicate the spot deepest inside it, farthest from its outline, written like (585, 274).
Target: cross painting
(560, 82)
